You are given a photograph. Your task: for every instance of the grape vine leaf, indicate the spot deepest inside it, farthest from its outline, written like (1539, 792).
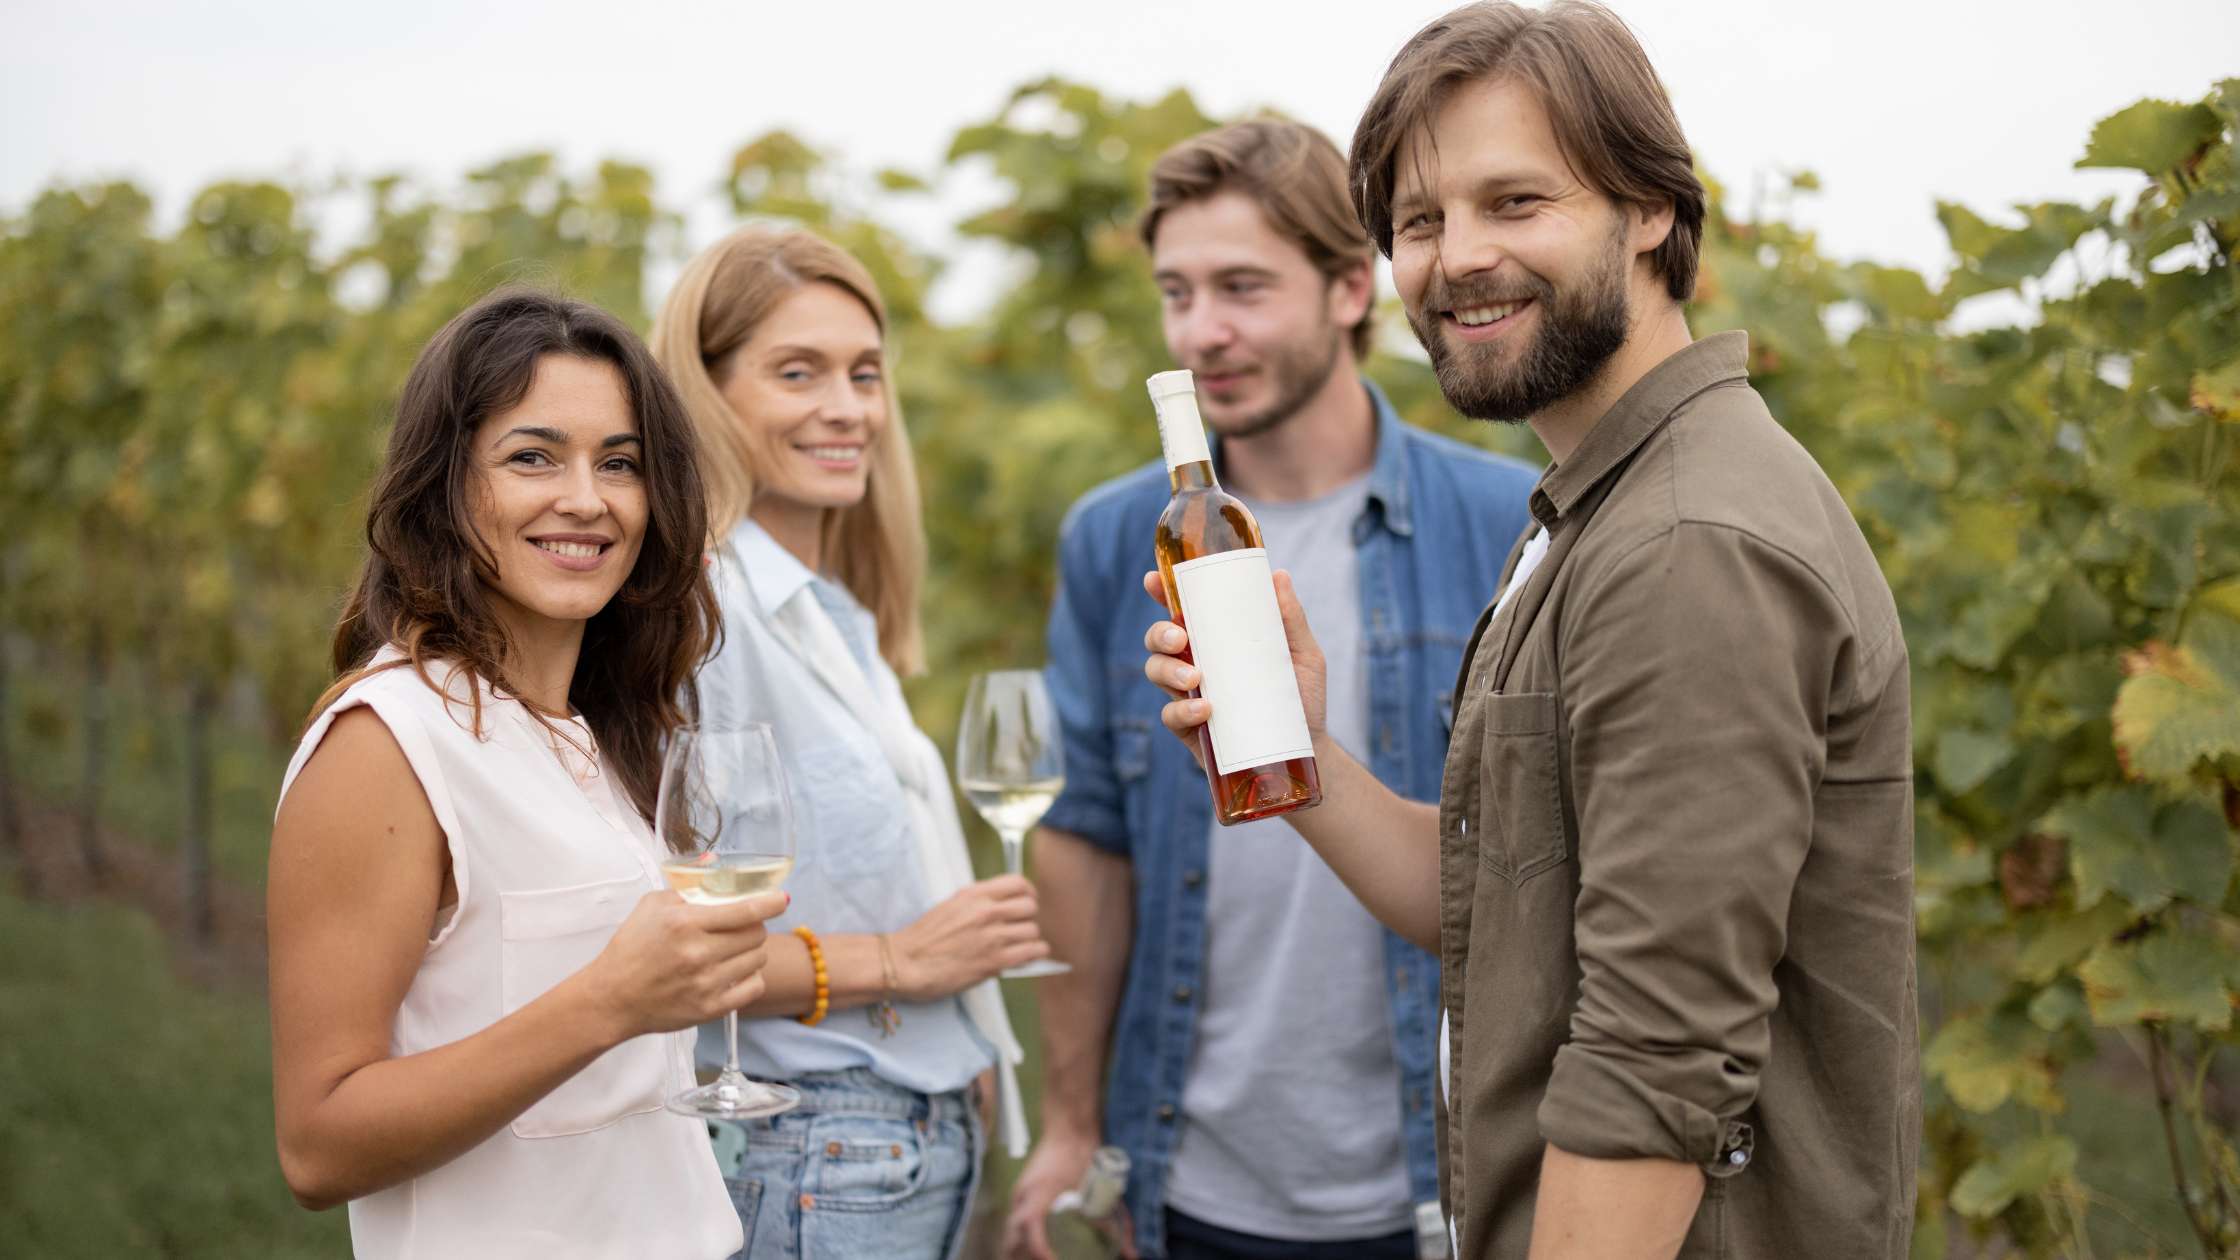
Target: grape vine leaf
(1991, 1184)
(2151, 136)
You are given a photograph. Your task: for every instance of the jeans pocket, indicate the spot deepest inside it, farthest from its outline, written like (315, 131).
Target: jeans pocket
(1520, 789)
(864, 1164)
(746, 1200)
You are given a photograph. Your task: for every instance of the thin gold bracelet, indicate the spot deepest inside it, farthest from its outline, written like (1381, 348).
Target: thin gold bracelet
(882, 1014)
(824, 978)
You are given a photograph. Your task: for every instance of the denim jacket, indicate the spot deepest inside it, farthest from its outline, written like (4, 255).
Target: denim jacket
(1440, 520)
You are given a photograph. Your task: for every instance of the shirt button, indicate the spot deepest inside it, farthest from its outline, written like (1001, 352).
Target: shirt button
(1182, 993)
(1193, 877)
(1166, 1113)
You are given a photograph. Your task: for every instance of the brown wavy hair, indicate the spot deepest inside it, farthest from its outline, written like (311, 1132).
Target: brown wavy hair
(1296, 177)
(1612, 119)
(423, 586)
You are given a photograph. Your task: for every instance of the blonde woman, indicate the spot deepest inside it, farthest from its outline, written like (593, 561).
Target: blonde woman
(777, 343)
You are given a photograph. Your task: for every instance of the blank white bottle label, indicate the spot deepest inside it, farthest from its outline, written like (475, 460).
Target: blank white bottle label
(1243, 659)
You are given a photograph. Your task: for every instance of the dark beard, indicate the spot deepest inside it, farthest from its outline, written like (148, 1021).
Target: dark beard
(1298, 374)
(1580, 330)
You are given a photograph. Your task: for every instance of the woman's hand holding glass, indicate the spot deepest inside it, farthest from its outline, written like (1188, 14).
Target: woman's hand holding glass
(1011, 764)
(980, 930)
(674, 965)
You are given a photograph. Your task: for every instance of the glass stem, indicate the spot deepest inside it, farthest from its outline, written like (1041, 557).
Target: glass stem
(731, 1044)
(1015, 852)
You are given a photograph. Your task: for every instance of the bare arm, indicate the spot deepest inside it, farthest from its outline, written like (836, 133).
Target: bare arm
(978, 931)
(1588, 1209)
(1384, 848)
(1090, 897)
(357, 872)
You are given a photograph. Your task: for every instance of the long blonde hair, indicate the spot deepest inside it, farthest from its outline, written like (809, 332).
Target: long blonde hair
(877, 548)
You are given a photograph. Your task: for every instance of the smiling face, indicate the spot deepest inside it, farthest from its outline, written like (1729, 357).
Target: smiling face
(1517, 277)
(1248, 313)
(809, 389)
(559, 496)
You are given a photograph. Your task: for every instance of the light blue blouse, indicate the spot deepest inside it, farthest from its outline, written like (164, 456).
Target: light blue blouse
(856, 864)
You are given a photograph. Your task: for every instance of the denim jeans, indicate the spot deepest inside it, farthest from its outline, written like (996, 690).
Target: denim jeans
(1191, 1239)
(861, 1168)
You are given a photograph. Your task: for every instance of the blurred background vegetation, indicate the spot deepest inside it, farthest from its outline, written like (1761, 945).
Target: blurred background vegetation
(189, 417)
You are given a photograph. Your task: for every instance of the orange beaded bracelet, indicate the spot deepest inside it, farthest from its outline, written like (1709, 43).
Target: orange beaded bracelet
(824, 979)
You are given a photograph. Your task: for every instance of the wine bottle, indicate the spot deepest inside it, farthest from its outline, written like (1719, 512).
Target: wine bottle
(1259, 757)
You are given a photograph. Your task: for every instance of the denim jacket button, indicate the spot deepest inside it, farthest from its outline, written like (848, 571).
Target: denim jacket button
(1182, 993)
(1193, 877)
(1166, 1112)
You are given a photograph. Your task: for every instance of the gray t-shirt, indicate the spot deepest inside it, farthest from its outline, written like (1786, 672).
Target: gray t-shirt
(1291, 1107)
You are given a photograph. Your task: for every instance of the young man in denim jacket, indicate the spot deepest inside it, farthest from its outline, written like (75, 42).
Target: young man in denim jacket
(1269, 1045)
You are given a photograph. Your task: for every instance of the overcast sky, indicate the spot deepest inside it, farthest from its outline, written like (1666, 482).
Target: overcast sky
(1894, 104)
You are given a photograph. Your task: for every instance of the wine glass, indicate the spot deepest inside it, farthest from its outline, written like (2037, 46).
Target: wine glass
(1010, 764)
(727, 827)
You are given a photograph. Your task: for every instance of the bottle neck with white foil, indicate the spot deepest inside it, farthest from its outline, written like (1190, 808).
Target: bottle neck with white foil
(1182, 433)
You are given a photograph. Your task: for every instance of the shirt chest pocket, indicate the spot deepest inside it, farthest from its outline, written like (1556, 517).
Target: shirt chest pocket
(545, 936)
(1520, 793)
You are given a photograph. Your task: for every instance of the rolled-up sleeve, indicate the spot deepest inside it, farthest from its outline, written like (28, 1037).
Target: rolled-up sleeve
(1698, 674)
(1090, 805)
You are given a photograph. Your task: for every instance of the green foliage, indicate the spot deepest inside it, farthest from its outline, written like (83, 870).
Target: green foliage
(187, 419)
(2025, 1168)
(2057, 508)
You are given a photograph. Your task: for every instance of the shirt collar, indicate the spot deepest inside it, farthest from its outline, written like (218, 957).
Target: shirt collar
(775, 574)
(1641, 411)
(1388, 473)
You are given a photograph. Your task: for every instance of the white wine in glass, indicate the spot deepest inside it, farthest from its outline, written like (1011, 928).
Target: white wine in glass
(1011, 808)
(713, 879)
(1011, 765)
(725, 819)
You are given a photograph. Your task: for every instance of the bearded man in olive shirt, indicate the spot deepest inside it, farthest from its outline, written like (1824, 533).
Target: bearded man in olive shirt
(1670, 872)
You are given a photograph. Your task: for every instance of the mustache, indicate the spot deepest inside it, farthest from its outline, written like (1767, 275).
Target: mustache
(1443, 294)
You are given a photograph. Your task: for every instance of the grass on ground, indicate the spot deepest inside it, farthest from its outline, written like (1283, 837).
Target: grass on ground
(135, 1111)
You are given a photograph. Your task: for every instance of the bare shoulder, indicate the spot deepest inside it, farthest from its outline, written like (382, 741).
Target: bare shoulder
(357, 800)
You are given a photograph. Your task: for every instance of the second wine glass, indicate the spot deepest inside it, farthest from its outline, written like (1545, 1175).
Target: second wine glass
(1011, 765)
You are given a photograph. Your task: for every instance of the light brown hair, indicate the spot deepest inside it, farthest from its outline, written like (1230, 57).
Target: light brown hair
(1612, 118)
(877, 548)
(423, 585)
(1291, 171)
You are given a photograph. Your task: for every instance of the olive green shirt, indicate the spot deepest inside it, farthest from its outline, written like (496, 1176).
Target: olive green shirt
(1676, 843)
